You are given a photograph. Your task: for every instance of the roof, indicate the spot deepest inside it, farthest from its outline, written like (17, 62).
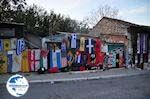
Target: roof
(140, 29)
(11, 23)
(121, 21)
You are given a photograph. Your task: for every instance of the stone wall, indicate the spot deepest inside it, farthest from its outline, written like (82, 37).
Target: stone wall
(108, 26)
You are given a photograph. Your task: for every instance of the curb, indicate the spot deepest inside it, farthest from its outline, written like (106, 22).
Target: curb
(84, 78)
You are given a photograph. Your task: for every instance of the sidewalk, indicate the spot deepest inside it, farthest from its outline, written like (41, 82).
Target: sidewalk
(74, 76)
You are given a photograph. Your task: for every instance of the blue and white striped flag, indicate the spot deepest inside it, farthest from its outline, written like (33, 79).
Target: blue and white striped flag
(20, 46)
(55, 59)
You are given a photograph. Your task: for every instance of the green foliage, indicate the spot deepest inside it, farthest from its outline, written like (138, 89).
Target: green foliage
(37, 20)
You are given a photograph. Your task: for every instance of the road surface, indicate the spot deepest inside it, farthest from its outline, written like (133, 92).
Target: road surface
(133, 87)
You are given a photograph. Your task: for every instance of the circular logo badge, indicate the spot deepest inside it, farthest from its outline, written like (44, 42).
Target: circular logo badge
(17, 85)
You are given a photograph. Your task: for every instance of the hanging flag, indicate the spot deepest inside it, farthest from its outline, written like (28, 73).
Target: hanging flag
(34, 59)
(63, 49)
(20, 46)
(82, 43)
(24, 61)
(13, 43)
(1, 45)
(7, 44)
(99, 58)
(105, 48)
(84, 59)
(90, 46)
(98, 46)
(141, 42)
(78, 57)
(37, 59)
(55, 59)
(3, 62)
(145, 42)
(43, 58)
(16, 62)
(9, 61)
(73, 40)
(30, 58)
(138, 43)
(64, 62)
(70, 58)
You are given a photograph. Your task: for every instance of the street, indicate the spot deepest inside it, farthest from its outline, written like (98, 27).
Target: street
(133, 87)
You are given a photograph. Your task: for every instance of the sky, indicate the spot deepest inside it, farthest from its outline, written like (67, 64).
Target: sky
(134, 11)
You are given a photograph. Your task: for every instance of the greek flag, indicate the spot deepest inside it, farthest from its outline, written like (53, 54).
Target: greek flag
(20, 46)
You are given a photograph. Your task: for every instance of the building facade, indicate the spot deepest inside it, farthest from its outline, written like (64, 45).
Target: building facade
(115, 34)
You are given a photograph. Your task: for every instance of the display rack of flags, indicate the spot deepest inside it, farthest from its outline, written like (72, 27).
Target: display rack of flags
(19, 59)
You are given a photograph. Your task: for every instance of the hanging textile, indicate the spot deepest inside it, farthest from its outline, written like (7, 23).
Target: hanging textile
(34, 59)
(98, 46)
(24, 61)
(110, 60)
(82, 43)
(7, 44)
(16, 62)
(78, 57)
(63, 49)
(84, 59)
(141, 42)
(73, 40)
(138, 43)
(55, 59)
(13, 43)
(90, 46)
(9, 61)
(20, 46)
(105, 48)
(3, 62)
(43, 59)
(70, 58)
(99, 58)
(64, 62)
(145, 43)
(1, 45)
(37, 59)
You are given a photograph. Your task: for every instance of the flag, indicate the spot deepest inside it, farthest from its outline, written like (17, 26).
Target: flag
(55, 59)
(82, 43)
(98, 46)
(63, 49)
(13, 43)
(20, 46)
(64, 62)
(138, 43)
(145, 43)
(7, 44)
(141, 42)
(1, 45)
(73, 40)
(34, 59)
(9, 61)
(43, 58)
(24, 61)
(70, 58)
(3, 62)
(90, 46)
(16, 62)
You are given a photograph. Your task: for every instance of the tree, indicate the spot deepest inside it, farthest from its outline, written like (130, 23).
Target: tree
(38, 21)
(7, 8)
(102, 11)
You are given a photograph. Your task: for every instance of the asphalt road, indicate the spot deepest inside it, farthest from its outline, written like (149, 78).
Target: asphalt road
(133, 87)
